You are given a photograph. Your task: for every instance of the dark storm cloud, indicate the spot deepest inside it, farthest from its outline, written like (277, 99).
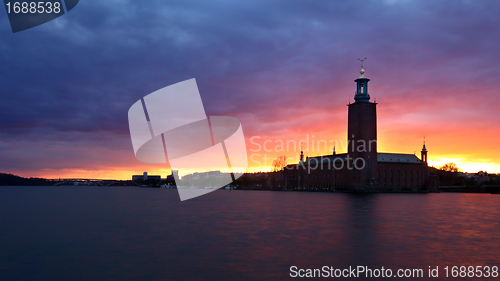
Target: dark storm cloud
(261, 61)
(82, 72)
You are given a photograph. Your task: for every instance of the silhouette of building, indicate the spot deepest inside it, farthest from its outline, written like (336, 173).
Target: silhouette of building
(362, 168)
(146, 178)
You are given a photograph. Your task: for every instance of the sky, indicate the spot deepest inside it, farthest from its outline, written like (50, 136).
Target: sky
(284, 68)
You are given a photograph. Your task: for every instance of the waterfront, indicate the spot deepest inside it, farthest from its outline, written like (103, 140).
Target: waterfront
(129, 233)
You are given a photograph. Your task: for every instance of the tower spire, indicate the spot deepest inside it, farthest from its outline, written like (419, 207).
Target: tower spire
(423, 154)
(362, 60)
(301, 153)
(362, 86)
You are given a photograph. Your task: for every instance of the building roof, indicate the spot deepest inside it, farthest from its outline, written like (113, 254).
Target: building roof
(397, 157)
(326, 158)
(381, 157)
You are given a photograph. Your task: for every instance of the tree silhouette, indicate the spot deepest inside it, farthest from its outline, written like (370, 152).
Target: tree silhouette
(450, 167)
(279, 163)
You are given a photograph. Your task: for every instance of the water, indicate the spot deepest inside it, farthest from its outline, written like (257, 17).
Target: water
(130, 233)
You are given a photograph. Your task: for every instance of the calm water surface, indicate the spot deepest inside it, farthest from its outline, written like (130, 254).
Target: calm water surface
(130, 233)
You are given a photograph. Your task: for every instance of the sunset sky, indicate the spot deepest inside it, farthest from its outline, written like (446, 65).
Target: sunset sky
(284, 68)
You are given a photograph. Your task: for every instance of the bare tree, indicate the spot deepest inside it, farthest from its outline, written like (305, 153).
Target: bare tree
(279, 163)
(450, 167)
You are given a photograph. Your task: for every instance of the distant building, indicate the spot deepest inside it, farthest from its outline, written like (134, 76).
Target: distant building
(362, 168)
(146, 178)
(204, 180)
(481, 177)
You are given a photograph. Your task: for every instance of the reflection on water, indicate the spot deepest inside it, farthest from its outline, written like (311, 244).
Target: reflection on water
(129, 233)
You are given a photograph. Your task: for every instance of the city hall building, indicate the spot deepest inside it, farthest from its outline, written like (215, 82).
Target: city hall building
(362, 168)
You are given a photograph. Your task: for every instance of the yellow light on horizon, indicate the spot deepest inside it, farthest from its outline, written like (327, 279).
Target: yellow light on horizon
(467, 165)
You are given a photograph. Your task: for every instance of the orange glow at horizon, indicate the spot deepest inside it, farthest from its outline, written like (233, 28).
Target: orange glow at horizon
(263, 149)
(260, 156)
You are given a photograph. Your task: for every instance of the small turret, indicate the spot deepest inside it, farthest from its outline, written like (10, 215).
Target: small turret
(423, 154)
